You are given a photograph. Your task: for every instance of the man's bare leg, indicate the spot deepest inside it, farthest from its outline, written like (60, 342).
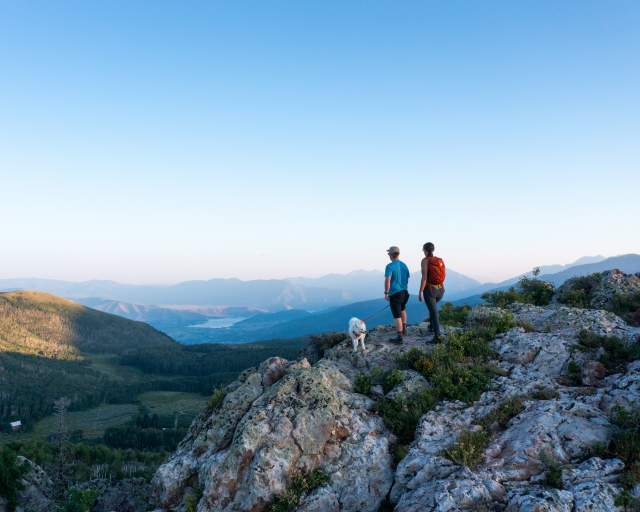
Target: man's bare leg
(399, 325)
(404, 320)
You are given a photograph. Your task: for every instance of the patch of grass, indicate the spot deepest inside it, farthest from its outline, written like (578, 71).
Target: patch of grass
(400, 451)
(498, 418)
(80, 500)
(455, 316)
(616, 353)
(401, 414)
(216, 399)
(574, 373)
(627, 501)
(545, 394)
(553, 471)
(300, 486)
(391, 379)
(362, 384)
(469, 448)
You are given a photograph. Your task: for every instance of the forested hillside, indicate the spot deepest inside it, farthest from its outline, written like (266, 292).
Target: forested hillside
(51, 347)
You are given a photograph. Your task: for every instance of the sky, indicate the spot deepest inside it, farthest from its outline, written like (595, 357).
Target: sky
(165, 141)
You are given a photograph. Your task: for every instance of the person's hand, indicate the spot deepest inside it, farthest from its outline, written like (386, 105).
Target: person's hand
(386, 297)
(420, 297)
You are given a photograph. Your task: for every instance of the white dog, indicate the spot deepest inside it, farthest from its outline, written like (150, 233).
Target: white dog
(358, 332)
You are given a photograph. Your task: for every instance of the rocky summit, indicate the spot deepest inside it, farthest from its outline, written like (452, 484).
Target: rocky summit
(523, 408)
(309, 435)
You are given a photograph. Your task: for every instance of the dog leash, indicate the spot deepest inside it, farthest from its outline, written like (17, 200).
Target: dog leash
(374, 314)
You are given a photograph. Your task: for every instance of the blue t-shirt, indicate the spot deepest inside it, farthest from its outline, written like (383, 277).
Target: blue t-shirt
(399, 274)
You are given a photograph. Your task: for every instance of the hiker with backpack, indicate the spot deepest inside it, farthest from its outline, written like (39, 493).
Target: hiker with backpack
(396, 281)
(432, 286)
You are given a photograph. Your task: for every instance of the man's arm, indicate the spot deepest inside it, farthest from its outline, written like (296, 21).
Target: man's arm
(387, 285)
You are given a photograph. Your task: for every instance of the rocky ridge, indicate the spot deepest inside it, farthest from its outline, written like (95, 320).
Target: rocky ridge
(286, 419)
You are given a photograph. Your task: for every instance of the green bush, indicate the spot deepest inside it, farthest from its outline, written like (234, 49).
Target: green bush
(362, 384)
(300, 486)
(574, 373)
(455, 316)
(616, 353)
(80, 501)
(391, 379)
(536, 291)
(578, 292)
(11, 473)
(502, 298)
(627, 307)
(401, 414)
(529, 290)
(469, 448)
(216, 399)
(500, 417)
(553, 471)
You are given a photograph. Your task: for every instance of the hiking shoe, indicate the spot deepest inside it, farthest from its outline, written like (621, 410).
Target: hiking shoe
(437, 339)
(404, 330)
(397, 340)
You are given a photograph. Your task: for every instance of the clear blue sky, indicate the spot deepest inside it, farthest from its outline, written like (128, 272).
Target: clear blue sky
(159, 141)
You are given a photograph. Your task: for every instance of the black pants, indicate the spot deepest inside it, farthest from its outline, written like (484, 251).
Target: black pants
(398, 303)
(432, 295)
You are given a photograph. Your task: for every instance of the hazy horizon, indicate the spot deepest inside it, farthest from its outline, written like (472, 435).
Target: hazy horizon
(284, 277)
(163, 142)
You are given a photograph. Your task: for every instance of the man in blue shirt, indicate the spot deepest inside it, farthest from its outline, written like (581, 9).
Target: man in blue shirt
(396, 280)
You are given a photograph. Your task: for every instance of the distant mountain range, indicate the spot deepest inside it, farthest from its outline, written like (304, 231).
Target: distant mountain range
(286, 308)
(335, 319)
(268, 295)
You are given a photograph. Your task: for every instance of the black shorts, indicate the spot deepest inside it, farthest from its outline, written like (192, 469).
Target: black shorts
(398, 303)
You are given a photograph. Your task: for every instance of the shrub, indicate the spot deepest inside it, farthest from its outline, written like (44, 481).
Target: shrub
(216, 399)
(574, 373)
(362, 384)
(469, 448)
(502, 298)
(487, 327)
(553, 471)
(627, 307)
(391, 379)
(401, 415)
(578, 292)
(80, 501)
(300, 486)
(455, 316)
(11, 473)
(536, 291)
(408, 359)
(400, 452)
(529, 290)
(616, 353)
(499, 417)
(545, 394)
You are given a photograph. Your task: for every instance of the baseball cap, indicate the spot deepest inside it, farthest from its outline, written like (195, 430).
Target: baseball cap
(393, 250)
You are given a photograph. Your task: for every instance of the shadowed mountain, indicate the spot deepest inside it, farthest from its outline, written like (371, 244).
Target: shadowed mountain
(160, 318)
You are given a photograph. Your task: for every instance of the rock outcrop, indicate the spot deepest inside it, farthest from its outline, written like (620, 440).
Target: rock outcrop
(286, 419)
(36, 494)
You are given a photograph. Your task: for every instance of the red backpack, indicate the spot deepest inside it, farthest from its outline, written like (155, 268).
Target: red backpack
(436, 271)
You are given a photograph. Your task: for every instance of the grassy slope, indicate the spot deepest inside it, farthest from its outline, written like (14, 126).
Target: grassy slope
(51, 347)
